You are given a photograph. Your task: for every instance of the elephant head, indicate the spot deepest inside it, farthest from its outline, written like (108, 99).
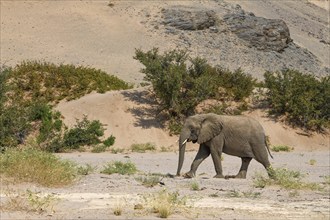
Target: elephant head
(199, 128)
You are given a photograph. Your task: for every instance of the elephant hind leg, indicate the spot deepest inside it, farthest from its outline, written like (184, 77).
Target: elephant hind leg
(243, 170)
(263, 159)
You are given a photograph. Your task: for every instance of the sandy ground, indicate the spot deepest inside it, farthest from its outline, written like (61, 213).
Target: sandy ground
(88, 33)
(96, 195)
(93, 34)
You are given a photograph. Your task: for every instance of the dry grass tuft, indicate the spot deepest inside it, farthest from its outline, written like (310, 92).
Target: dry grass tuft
(285, 178)
(165, 203)
(28, 202)
(31, 165)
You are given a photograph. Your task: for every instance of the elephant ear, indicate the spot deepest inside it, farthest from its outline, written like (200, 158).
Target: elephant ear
(211, 126)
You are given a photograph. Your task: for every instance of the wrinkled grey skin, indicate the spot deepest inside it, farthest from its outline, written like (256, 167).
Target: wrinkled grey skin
(234, 135)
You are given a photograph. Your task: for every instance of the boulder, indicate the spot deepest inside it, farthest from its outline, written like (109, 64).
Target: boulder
(261, 33)
(184, 19)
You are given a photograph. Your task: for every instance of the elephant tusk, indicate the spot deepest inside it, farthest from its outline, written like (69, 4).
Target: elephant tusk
(185, 141)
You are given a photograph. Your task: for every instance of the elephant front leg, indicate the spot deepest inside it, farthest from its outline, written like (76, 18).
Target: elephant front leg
(242, 172)
(216, 157)
(202, 153)
(216, 151)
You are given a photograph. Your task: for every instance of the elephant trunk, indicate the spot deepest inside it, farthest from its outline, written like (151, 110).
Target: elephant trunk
(182, 147)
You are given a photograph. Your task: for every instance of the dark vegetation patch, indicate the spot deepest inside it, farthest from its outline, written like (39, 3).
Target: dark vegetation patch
(28, 93)
(181, 83)
(302, 98)
(32, 165)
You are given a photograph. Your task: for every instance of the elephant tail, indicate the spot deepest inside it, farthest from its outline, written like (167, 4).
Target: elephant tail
(267, 146)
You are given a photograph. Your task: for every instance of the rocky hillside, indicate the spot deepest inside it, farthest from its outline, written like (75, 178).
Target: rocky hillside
(254, 35)
(227, 35)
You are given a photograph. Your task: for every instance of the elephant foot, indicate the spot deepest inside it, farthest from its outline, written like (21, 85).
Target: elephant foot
(240, 175)
(219, 176)
(188, 175)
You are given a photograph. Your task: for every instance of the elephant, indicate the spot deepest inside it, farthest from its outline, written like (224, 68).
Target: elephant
(240, 136)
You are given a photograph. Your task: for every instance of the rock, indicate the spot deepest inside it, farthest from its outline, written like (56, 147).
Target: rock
(261, 33)
(189, 20)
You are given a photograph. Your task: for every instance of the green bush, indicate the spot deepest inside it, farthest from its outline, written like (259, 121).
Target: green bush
(85, 132)
(109, 141)
(279, 148)
(181, 83)
(149, 180)
(99, 148)
(288, 179)
(119, 167)
(194, 185)
(51, 124)
(52, 83)
(85, 170)
(13, 117)
(31, 165)
(28, 92)
(17, 121)
(302, 98)
(238, 84)
(142, 148)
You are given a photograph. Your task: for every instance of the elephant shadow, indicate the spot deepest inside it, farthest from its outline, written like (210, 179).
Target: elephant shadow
(145, 110)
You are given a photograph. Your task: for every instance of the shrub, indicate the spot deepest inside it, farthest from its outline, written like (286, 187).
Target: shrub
(19, 121)
(117, 150)
(85, 132)
(36, 166)
(28, 91)
(195, 186)
(50, 127)
(109, 141)
(14, 120)
(99, 148)
(85, 170)
(181, 87)
(119, 167)
(304, 99)
(149, 181)
(142, 148)
(238, 84)
(287, 179)
(312, 162)
(51, 82)
(165, 203)
(281, 148)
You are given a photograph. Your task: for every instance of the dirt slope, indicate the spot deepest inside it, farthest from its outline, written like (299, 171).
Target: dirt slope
(88, 33)
(131, 117)
(128, 115)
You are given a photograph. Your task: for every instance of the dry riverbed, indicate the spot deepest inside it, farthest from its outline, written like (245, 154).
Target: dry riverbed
(100, 196)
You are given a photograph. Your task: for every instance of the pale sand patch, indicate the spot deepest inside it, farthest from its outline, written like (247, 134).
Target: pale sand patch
(321, 3)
